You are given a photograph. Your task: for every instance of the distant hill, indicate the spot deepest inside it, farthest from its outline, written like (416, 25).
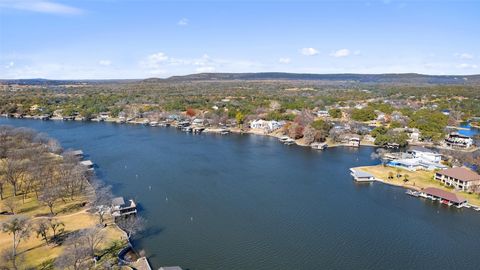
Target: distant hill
(401, 78)
(349, 77)
(61, 82)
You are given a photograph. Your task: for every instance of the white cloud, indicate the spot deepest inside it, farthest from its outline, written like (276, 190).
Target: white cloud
(466, 66)
(284, 60)
(341, 53)
(183, 22)
(105, 62)
(465, 56)
(164, 65)
(205, 69)
(10, 65)
(154, 61)
(40, 6)
(308, 51)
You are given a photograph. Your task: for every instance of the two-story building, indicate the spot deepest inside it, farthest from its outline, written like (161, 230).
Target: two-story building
(459, 178)
(457, 140)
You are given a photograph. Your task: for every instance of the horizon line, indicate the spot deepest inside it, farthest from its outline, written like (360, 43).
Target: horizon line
(262, 72)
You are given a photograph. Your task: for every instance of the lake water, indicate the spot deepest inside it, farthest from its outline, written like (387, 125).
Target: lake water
(248, 202)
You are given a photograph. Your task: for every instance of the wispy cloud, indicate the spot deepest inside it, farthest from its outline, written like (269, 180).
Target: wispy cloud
(105, 62)
(284, 60)
(309, 51)
(465, 56)
(467, 66)
(10, 65)
(183, 22)
(41, 6)
(341, 53)
(162, 64)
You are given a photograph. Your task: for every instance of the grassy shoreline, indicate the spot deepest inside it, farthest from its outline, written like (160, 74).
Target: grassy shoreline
(418, 180)
(74, 213)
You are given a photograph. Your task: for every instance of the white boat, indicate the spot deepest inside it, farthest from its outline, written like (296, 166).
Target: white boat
(289, 141)
(413, 193)
(423, 195)
(319, 146)
(153, 124)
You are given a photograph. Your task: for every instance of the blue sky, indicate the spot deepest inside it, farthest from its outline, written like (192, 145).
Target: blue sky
(108, 39)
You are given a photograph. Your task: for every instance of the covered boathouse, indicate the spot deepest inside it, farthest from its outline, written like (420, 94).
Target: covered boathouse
(361, 176)
(443, 196)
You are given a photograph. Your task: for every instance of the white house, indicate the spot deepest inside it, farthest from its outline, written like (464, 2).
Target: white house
(266, 125)
(425, 153)
(456, 139)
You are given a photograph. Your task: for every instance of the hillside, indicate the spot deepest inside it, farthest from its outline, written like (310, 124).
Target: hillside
(401, 78)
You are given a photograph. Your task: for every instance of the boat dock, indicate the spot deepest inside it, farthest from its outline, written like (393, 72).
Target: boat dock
(442, 196)
(361, 176)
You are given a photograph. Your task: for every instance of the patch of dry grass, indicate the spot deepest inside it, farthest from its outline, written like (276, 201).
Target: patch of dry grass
(36, 254)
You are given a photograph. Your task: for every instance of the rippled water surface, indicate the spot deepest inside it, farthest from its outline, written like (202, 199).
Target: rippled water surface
(248, 202)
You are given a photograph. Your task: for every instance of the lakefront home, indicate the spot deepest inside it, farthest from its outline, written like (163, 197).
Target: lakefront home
(457, 140)
(268, 126)
(354, 141)
(459, 178)
(120, 208)
(425, 153)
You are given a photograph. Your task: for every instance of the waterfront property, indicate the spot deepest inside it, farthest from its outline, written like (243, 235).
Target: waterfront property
(354, 141)
(361, 176)
(267, 126)
(319, 146)
(417, 158)
(460, 178)
(457, 140)
(425, 153)
(120, 208)
(413, 164)
(443, 196)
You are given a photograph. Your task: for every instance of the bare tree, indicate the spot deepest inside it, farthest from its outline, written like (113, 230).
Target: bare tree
(18, 227)
(131, 224)
(309, 134)
(49, 196)
(101, 201)
(4, 140)
(11, 204)
(93, 237)
(41, 229)
(14, 171)
(57, 227)
(75, 254)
